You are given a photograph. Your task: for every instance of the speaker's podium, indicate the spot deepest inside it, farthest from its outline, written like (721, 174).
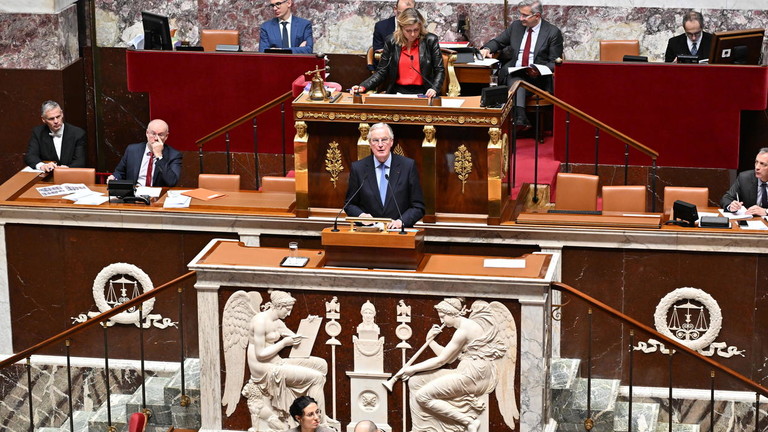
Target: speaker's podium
(348, 247)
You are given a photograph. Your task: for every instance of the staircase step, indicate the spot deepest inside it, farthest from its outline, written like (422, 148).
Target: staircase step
(563, 373)
(645, 416)
(154, 388)
(187, 417)
(98, 421)
(570, 406)
(677, 427)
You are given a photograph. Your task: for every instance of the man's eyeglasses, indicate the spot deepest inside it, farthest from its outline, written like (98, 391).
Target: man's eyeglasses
(278, 4)
(693, 35)
(381, 140)
(525, 17)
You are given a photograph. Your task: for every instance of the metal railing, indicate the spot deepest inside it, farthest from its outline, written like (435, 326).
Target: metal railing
(540, 95)
(67, 337)
(674, 346)
(251, 116)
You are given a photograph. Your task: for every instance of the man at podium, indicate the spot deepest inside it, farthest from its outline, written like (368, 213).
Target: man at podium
(385, 184)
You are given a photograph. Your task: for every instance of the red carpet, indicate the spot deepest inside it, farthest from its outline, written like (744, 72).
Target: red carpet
(524, 170)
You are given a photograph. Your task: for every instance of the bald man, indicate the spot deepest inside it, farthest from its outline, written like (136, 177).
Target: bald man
(366, 426)
(150, 163)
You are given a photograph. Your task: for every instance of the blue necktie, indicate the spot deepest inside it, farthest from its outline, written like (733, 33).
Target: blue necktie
(285, 34)
(764, 198)
(694, 50)
(383, 183)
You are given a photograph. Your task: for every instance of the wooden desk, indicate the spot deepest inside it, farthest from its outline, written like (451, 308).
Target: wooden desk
(386, 249)
(607, 219)
(333, 135)
(247, 201)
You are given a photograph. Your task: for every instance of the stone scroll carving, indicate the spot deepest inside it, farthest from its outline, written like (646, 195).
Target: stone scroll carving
(274, 382)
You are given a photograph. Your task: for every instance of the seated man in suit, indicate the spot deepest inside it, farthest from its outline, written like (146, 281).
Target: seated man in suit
(286, 30)
(371, 178)
(386, 27)
(750, 191)
(151, 163)
(527, 41)
(55, 143)
(693, 42)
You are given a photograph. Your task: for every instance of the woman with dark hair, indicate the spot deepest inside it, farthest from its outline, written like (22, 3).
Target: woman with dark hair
(411, 61)
(307, 414)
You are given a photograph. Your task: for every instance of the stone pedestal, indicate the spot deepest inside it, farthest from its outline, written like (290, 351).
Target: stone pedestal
(368, 399)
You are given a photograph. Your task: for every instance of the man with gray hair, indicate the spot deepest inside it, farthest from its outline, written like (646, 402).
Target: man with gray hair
(527, 41)
(749, 193)
(385, 184)
(55, 143)
(694, 41)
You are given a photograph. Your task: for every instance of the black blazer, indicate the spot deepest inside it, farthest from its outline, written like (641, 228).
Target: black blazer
(678, 45)
(403, 185)
(549, 46)
(73, 147)
(381, 31)
(166, 172)
(430, 62)
(745, 187)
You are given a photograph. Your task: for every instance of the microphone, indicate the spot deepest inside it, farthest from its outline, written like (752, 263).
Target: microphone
(419, 72)
(336, 220)
(397, 206)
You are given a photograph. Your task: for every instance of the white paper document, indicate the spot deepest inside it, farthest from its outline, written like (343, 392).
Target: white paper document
(485, 62)
(452, 103)
(754, 225)
(175, 199)
(739, 214)
(152, 192)
(504, 263)
(62, 189)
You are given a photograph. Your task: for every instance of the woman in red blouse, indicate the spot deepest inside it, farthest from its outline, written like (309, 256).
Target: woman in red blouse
(411, 62)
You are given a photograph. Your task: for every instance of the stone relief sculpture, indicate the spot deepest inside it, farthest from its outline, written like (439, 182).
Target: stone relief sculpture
(485, 343)
(274, 381)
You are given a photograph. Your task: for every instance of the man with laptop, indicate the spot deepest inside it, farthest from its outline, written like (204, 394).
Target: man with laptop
(286, 31)
(694, 42)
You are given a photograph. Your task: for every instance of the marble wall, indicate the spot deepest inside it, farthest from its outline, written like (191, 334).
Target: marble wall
(49, 41)
(39, 41)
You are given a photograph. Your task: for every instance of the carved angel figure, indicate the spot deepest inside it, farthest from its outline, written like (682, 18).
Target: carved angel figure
(485, 343)
(274, 382)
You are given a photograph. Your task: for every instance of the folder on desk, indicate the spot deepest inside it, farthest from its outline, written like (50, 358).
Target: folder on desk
(203, 194)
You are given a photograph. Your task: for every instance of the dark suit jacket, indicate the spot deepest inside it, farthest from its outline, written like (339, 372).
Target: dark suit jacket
(678, 45)
(381, 32)
(301, 31)
(549, 46)
(430, 62)
(746, 188)
(73, 147)
(166, 172)
(403, 185)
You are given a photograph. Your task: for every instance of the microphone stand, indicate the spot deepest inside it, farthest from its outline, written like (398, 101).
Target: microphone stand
(336, 220)
(397, 206)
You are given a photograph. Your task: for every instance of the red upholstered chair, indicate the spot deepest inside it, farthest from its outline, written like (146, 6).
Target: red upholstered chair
(210, 38)
(615, 50)
(74, 175)
(576, 192)
(137, 422)
(698, 196)
(219, 182)
(624, 198)
(278, 184)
